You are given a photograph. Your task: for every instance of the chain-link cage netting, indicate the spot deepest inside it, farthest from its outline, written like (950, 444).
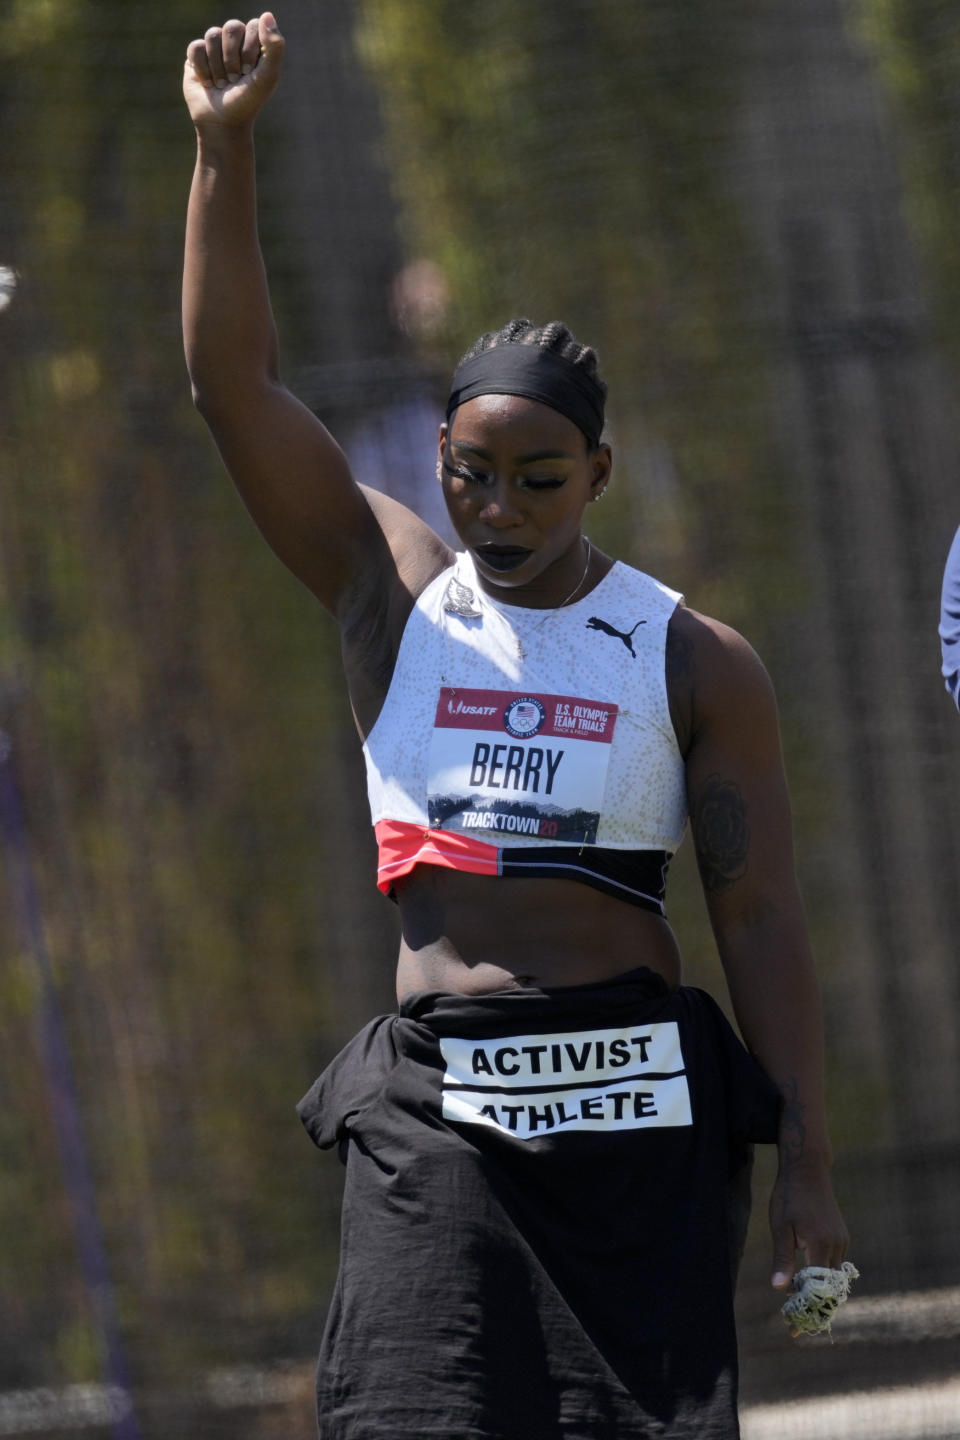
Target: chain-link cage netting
(750, 211)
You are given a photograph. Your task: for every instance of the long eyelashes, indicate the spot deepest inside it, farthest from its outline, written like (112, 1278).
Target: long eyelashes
(460, 473)
(526, 482)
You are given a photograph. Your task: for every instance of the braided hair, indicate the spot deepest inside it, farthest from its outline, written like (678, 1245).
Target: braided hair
(555, 337)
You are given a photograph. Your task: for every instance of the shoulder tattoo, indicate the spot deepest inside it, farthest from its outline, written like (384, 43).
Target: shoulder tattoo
(718, 819)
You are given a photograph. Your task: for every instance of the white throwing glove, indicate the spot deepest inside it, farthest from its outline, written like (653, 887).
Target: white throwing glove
(818, 1292)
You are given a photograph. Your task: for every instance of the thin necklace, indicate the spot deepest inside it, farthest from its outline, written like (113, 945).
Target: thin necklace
(459, 599)
(521, 649)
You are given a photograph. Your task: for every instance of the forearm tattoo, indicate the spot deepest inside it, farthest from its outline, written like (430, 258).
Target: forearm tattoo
(718, 818)
(793, 1132)
(792, 1141)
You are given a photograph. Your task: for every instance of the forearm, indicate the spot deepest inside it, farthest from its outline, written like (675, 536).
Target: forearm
(228, 327)
(950, 620)
(776, 1000)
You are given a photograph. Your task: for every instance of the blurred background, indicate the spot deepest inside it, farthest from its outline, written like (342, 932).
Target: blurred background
(751, 210)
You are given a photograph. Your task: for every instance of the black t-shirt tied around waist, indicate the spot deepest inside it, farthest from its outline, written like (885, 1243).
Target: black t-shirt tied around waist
(535, 1235)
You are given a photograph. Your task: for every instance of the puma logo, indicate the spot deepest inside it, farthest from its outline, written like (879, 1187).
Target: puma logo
(595, 623)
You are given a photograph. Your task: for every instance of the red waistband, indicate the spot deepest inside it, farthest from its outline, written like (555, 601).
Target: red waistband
(402, 846)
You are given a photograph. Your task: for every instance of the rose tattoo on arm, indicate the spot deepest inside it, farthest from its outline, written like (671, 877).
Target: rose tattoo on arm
(718, 817)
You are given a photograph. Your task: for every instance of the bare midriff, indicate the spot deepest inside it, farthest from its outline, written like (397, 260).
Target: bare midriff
(470, 934)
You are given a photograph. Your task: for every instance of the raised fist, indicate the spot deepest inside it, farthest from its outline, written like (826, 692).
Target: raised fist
(231, 73)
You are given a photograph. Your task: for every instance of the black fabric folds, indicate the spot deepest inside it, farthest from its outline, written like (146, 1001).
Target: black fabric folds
(537, 1216)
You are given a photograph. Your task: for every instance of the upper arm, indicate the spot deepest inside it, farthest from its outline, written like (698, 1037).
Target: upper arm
(298, 487)
(736, 786)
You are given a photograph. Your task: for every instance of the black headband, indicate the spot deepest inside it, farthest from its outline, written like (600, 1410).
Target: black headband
(538, 374)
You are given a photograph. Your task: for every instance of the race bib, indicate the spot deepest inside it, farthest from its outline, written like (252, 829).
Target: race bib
(504, 763)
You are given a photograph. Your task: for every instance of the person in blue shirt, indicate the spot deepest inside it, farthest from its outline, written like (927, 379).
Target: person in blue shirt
(950, 621)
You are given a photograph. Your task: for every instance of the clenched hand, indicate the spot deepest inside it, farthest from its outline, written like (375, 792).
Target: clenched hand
(231, 73)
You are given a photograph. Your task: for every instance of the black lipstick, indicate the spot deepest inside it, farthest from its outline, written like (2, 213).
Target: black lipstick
(502, 557)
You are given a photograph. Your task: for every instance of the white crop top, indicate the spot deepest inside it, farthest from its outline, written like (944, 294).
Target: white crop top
(531, 742)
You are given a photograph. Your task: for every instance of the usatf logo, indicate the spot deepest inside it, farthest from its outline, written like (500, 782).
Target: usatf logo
(461, 709)
(524, 717)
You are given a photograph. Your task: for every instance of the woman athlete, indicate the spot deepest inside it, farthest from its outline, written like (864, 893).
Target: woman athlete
(543, 1142)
